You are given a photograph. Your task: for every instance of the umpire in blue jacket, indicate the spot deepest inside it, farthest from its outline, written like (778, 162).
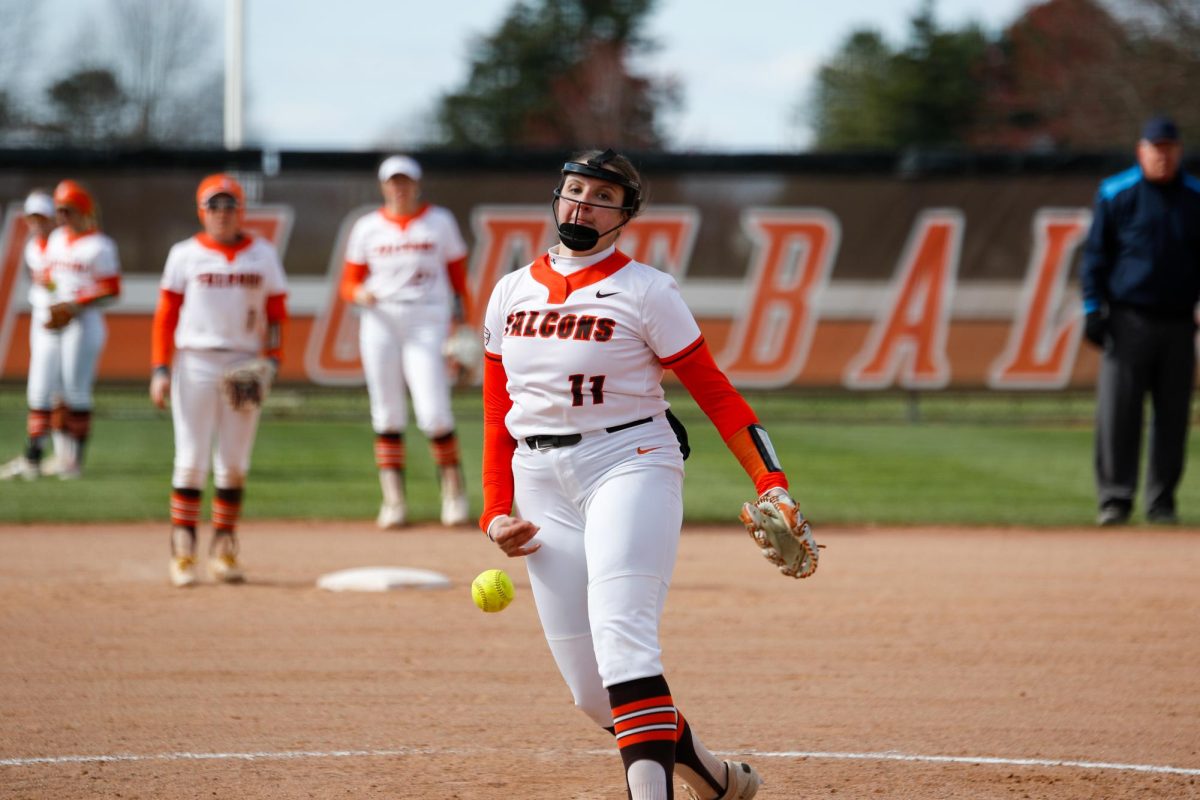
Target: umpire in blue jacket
(1141, 282)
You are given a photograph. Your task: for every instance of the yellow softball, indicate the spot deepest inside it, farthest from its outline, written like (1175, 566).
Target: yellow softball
(492, 590)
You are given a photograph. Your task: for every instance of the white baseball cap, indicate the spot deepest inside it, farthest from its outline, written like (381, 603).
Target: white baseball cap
(39, 203)
(399, 165)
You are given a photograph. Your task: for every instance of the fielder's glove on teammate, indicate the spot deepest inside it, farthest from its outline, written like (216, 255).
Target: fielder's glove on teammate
(245, 383)
(782, 533)
(464, 349)
(61, 315)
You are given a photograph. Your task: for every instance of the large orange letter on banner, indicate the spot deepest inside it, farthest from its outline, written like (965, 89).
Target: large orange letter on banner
(506, 238)
(912, 333)
(662, 237)
(12, 246)
(793, 255)
(1040, 354)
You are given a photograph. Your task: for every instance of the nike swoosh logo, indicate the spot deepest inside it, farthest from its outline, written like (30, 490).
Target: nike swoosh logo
(641, 451)
(605, 294)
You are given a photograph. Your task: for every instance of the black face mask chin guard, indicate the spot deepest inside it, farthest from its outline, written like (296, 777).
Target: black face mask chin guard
(580, 238)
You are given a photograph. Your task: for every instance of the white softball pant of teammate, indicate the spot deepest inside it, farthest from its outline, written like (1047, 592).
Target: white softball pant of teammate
(45, 363)
(610, 520)
(401, 349)
(201, 414)
(67, 362)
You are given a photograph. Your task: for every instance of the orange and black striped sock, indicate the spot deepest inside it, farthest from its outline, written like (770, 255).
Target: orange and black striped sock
(389, 450)
(226, 508)
(646, 723)
(686, 757)
(79, 428)
(445, 449)
(37, 425)
(185, 507)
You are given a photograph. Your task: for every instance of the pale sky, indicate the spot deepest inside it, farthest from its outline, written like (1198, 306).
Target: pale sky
(357, 74)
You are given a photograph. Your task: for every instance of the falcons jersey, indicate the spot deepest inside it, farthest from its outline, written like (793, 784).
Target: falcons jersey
(583, 340)
(77, 263)
(225, 290)
(406, 257)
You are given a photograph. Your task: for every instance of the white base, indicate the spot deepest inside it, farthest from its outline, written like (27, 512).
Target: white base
(382, 579)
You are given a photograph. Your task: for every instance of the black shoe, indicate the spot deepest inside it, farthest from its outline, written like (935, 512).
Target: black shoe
(1162, 516)
(1112, 515)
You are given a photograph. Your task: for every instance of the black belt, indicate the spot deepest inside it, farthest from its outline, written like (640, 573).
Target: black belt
(549, 441)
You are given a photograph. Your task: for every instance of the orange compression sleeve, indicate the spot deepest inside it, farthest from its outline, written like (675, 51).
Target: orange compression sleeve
(729, 412)
(353, 276)
(498, 445)
(277, 317)
(162, 330)
(456, 271)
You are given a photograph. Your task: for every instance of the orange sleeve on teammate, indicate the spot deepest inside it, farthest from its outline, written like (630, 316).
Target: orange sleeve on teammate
(728, 410)
(457, 272)
(498, 445)
(162, 330)
(353, 276)
(104, 288)
(277, 317)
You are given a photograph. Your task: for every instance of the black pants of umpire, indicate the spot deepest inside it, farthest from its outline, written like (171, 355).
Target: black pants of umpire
(1143, 354)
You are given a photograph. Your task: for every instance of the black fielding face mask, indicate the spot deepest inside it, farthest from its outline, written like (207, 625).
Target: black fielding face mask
(578, 237)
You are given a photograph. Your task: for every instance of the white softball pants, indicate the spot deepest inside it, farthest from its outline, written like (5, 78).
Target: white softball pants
(610, 519)
(401, 350)
(45, 362)
(65, 360)
(203, 418)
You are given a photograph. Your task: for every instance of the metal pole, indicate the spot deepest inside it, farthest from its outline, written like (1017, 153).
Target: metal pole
(234, 45)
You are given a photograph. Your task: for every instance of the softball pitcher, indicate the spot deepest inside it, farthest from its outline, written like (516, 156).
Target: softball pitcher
(406, 271)
(222, 302)
(83, 275)
(576, 433)
(44, 383)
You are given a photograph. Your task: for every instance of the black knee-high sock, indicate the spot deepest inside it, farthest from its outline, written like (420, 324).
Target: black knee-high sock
(645, 721)
(687, 757)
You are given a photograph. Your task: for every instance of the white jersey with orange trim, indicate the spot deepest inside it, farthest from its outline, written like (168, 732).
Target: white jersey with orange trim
(225, 292)
(407, 256)
(40, 296)
(583, 341)
(77, 263)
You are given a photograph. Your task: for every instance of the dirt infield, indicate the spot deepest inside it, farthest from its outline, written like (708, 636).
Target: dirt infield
(915, 664)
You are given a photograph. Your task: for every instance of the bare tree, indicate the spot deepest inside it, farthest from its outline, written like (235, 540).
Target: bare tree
(16, 45)
(158, 47)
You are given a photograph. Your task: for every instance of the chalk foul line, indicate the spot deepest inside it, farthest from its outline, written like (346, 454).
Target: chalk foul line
(430, 751)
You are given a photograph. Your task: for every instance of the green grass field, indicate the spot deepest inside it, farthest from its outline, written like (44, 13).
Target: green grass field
(853, 459)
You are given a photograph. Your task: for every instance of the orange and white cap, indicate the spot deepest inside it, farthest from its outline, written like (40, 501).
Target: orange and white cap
(220, 183)
(69, 194)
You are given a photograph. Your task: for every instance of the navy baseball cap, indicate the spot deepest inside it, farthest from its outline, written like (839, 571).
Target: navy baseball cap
(1160, 129)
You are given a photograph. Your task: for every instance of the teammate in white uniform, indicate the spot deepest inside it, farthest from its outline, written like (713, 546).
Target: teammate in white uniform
(576, 432)
(406, 271)
(44, 383)
(222, 300)
(83, 275)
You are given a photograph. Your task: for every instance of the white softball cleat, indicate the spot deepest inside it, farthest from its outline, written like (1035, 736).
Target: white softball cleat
(225, 568)
(183, 571)
(742, 782)
(391, 516)
(454, 509)
(19, 467)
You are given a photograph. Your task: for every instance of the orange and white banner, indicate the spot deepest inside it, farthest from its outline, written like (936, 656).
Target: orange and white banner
(783, 316)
